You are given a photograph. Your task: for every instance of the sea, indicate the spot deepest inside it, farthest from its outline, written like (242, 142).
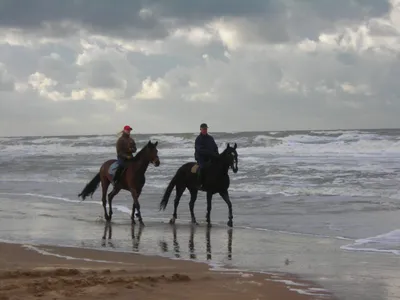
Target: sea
(324, 205)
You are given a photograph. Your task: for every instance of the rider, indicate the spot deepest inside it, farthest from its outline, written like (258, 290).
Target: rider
(205, 150)
(126, 146)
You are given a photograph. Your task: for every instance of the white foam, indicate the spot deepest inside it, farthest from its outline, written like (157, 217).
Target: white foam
(347, 143)
(300, 288)
(44, 252)
(170, 139)
(385, 243)
(295, 233)
(288, 282)
(307, 292)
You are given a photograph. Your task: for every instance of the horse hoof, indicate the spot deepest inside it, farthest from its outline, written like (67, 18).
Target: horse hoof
(230, 223)
(141, 223)
(194, 222)
(172, 221)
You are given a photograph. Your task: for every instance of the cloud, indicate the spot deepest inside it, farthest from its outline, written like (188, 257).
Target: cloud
(79, 67)
(7, 82)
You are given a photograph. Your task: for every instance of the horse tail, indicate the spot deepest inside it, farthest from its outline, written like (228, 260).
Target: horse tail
(91, 187)
(168, 191)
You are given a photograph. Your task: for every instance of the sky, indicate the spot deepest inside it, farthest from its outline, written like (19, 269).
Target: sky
(93, 66)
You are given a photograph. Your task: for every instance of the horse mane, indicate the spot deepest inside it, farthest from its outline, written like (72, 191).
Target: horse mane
(138, 155)
(220, 157)
(224, 152)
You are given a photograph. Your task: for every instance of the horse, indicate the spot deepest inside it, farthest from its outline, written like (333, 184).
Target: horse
(216, 181)
(132, 180)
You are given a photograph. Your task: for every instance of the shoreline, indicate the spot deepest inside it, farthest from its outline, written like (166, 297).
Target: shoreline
(31, 271)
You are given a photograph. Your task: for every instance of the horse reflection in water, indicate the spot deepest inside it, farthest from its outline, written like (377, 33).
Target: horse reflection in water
(191, 245)
(107, 229)
(135, 238)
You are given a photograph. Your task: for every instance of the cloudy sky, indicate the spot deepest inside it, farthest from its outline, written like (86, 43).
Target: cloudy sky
(92, 66)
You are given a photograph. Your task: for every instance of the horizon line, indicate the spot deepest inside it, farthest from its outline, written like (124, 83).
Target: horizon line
(214, 132)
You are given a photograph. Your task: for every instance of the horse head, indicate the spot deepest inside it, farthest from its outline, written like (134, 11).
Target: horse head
(149, 153)
(231, 157)
(152, 153)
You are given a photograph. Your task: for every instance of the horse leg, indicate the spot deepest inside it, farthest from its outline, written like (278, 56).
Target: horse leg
(209, 198)
(133, 213)
(111, 196)
(104, 188)
(135, 208)
(135, 196)
(225, 196)
(193, 197)
(179, 192)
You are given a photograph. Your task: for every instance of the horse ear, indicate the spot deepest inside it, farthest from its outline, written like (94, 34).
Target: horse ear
(227, 146)
(235, 146)
(149, 143)
(155, 144)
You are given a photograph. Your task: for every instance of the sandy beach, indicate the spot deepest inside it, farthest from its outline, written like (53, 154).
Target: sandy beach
(44, 272)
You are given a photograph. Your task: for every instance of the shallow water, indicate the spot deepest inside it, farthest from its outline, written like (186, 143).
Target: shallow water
(321, 204)
(350, 275)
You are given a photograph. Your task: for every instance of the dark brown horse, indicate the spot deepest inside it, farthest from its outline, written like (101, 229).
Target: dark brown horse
(216, 181)
(132, 180)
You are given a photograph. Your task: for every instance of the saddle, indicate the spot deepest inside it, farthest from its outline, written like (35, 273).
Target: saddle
(113, 169)
(195, 168)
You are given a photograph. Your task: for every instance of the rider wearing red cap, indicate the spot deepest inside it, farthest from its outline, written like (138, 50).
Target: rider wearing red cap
(126, 146)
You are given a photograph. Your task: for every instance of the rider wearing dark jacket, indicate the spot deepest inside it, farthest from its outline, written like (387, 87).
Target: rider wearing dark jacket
(205, 150)
(125, 147)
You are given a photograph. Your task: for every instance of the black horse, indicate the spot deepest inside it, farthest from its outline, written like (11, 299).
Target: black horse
(216, 181)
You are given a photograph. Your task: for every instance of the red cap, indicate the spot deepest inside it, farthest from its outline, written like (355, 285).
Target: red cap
(127, 127)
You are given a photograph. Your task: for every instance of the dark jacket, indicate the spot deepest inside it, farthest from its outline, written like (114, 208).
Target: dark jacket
(205, 147)
(125, 147)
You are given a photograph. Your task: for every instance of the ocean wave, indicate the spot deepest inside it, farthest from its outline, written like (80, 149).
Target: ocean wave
(268, 143)
(383, 243)
(345, 163)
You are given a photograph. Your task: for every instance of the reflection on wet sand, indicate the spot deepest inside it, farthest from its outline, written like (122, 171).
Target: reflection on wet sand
(286, 253)
(191, 245)
(107, 229)
(135, 238)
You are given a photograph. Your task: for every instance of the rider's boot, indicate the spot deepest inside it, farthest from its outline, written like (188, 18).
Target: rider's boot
(200, 179)
(117, 175)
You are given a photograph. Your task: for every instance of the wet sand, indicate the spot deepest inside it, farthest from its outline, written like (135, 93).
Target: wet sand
(47, 272)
